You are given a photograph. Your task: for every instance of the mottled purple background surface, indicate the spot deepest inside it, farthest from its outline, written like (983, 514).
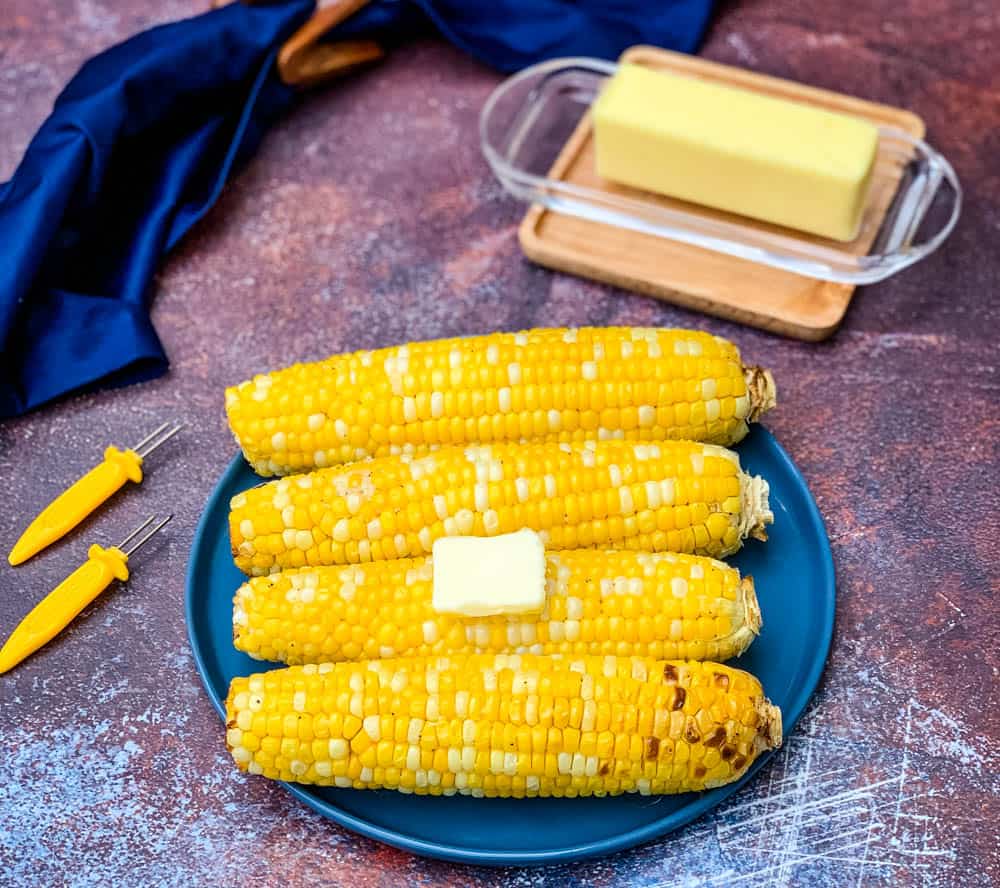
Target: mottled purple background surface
(369, 218)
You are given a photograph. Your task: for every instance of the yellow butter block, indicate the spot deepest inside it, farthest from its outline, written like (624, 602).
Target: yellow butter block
(735, 150)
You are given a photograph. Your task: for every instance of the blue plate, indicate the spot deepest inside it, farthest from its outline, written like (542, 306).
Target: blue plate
(795, 583)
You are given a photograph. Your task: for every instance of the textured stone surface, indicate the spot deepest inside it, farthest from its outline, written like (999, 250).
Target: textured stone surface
(368, 218)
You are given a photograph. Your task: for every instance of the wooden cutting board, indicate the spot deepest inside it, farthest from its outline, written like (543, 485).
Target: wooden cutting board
(710, 282)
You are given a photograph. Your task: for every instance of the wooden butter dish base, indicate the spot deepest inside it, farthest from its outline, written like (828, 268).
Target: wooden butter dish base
(694, 277)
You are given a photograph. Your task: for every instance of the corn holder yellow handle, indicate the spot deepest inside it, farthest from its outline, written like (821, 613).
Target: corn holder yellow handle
(56, 611)
(68, 509)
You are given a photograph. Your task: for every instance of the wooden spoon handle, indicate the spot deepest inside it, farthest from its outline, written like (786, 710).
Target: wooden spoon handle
(305, 61)
(321, 61)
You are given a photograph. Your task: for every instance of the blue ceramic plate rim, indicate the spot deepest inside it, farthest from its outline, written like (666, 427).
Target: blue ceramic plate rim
(701, 804)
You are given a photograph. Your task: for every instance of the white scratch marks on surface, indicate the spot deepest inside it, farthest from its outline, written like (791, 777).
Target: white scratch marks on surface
(907, 734)
(877, 344)
(744, 52)
(821, 41)
(96, 17)
(951, 603)
(915, 340)
(945, 736)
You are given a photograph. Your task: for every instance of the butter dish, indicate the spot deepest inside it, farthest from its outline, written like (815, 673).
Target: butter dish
(533, 120)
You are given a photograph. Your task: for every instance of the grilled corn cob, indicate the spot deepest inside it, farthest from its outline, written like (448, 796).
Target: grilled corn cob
(547, 385)
(499, 725)
(672, 496)
(662, 606)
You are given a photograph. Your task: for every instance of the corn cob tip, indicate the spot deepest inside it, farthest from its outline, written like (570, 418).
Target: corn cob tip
(752, 620)
(239, 683)
(756, 513)
(242, 605)
(240, 618)
(751, 605)
(762, 391)
(769, 726)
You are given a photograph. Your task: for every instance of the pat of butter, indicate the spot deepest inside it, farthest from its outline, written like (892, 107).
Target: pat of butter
(484, 576)
(772, 159)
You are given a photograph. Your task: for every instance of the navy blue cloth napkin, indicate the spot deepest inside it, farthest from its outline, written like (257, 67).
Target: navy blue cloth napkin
(140, 143)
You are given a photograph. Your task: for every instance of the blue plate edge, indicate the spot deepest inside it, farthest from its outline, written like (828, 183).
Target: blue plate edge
(189, 578)
(631, 839)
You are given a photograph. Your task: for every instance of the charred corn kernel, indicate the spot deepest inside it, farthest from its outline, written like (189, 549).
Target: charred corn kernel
(619, 602)
(640, 383)
(577, 482)
(670, 738)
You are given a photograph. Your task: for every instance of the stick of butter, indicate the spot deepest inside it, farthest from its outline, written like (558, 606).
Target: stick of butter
(735, 150)
(485, 576)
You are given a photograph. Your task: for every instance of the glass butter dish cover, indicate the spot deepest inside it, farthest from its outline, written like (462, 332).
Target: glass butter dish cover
(536, 134)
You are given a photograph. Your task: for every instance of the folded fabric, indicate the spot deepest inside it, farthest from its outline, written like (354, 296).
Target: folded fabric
(511, 34)
(140, 143)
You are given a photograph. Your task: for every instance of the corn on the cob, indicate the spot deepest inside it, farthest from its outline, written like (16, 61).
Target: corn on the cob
(662, 606)
(546, 385)
(498, 725)
(673, 496)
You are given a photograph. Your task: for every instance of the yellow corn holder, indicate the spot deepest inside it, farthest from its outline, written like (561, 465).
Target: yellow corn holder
(56, 611)
(68, 509)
